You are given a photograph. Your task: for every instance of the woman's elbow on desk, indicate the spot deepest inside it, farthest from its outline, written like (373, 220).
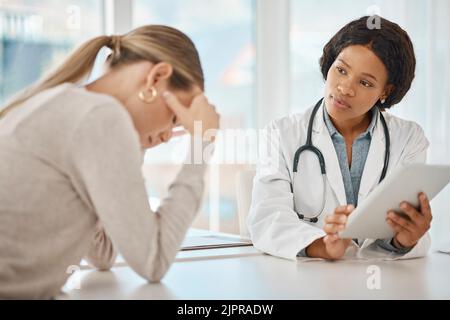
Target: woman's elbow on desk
(102, 265)
(101, 254)
(155, 274)
(154, 267)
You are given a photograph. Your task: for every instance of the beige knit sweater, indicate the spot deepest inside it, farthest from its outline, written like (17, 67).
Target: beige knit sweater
(71, 187)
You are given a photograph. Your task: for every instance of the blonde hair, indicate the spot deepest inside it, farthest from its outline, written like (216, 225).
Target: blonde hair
(154, 43)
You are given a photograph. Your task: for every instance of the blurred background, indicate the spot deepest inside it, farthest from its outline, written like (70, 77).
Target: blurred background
(260, 59)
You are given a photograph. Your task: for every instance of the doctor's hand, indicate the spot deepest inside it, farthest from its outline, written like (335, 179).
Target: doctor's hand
(331, 246)
(410, 225)
(335, 246)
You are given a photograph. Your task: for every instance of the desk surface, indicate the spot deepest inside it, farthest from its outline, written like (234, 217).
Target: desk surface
(245, 273)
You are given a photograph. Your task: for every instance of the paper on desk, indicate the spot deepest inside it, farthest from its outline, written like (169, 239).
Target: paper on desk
(212, 241)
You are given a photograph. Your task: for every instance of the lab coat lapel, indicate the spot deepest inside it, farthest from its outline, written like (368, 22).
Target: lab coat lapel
(374, 161)
(322, 140)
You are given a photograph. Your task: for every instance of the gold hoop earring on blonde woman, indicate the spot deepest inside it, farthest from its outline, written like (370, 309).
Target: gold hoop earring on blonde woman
(151, 98)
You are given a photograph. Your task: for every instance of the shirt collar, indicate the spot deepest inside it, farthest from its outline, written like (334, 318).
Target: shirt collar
(332, 130)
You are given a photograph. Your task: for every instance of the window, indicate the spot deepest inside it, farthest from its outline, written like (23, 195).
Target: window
(310, 33)
(36, 35)
(222, 31)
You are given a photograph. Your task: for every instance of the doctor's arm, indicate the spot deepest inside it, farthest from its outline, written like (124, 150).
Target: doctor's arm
(272, 222)
(412, 224)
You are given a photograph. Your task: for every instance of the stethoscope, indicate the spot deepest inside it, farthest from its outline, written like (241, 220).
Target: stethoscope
(308, 146)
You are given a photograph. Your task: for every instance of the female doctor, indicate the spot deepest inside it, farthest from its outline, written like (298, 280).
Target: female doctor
(335, 154)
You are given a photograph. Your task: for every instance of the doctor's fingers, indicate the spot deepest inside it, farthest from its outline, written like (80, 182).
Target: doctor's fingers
(332, 228)
(331, 238)
(395, 226)
(420, 220)
(404, 222)
(399, 229)
(411, 212)
(425, 207)
(347, 209)
(336, 218)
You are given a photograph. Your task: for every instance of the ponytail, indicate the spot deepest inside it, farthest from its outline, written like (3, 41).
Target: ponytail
(154, 43)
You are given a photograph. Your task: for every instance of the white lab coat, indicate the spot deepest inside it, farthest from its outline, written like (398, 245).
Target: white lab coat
(272, 222)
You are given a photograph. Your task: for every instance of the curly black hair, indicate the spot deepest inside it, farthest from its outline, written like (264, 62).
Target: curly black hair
(389, 42)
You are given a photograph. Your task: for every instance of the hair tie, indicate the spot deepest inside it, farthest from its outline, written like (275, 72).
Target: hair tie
(115, 45)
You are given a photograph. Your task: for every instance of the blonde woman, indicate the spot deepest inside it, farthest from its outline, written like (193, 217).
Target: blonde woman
(70, 179)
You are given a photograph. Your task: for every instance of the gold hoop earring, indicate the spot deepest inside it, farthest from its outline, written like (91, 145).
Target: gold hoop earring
(153, 95)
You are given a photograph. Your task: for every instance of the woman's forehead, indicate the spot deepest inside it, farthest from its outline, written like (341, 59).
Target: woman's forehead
(363, 60)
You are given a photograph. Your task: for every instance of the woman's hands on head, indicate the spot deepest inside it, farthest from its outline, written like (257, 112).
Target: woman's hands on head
(200, 118)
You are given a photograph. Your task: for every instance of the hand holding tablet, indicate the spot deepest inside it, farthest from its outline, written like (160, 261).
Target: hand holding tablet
(368, 220)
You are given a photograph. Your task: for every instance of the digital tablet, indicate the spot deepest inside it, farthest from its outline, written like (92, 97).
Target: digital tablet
(368, 220)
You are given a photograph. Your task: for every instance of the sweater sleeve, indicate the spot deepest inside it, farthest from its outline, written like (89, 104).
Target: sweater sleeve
(101, 253)
(106, 164)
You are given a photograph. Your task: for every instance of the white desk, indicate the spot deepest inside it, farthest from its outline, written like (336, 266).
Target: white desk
(245, 273)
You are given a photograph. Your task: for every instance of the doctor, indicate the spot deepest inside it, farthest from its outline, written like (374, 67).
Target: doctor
(321, 164)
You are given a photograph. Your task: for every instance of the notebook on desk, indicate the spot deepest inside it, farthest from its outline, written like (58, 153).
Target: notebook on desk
(194, 242)
(199, 242)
